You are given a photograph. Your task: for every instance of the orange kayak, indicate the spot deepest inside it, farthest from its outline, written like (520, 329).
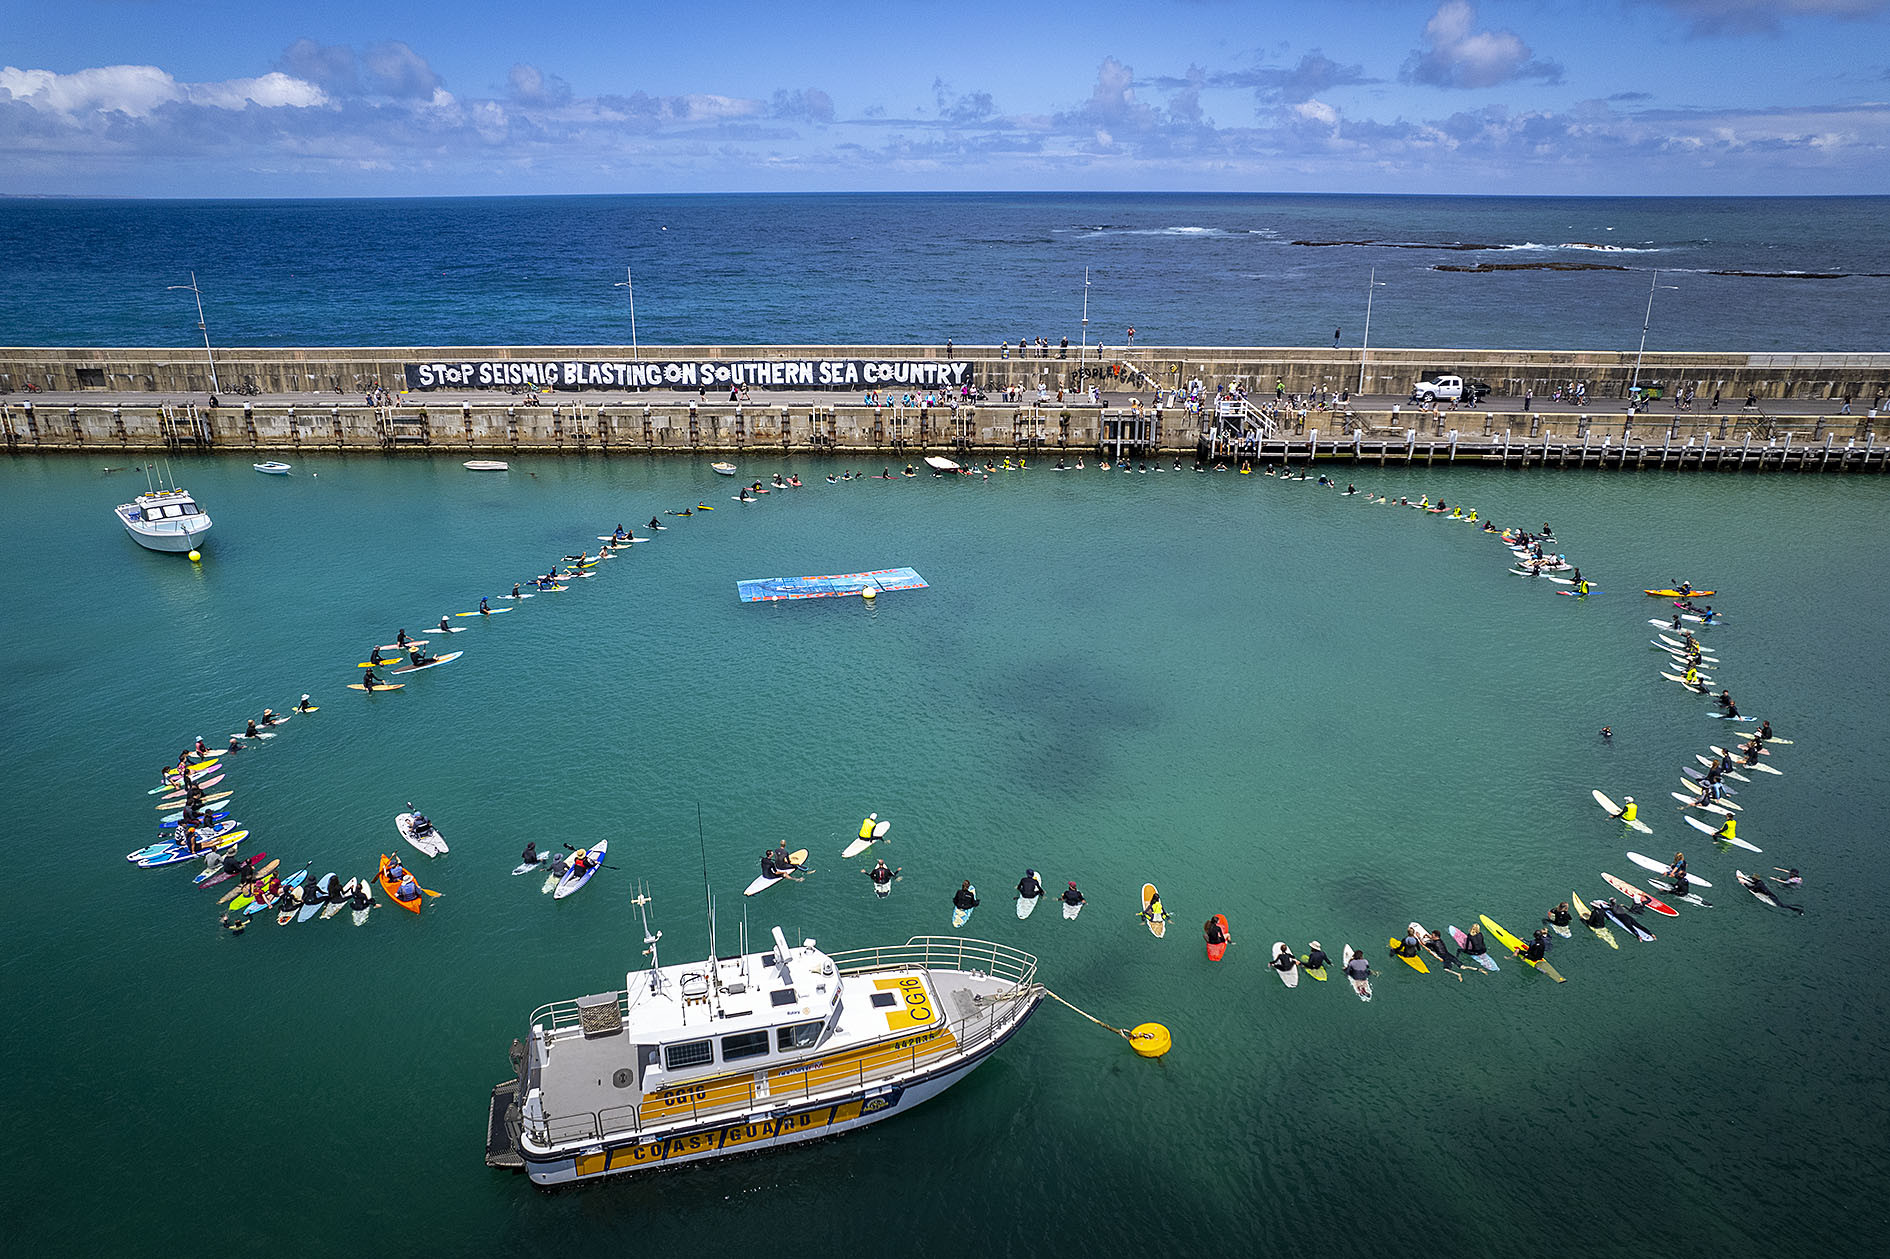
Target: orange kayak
(392, 887)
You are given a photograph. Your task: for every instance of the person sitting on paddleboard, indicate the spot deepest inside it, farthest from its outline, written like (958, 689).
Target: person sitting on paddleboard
(1627, 810)
(200, 749)
(400, 640)
(444, 627)
(1071, 896)
(1681, 887)
(484, 607)
(530, 855)
(1283, 960)
(1595, 917)
(964, 897)
(269, 717)
(360, 898)
(414, 657)
(1678, 866)
(880, 875)
(1028, 887)
(375, 657)
(369, 681)
(1407, 947)
(1473, 942)
(1153, 911)
(1533, 950)
(1315, 956)
(769, 870)
(251, 730)
(1211, 931)
(1559, 916)
(302, 705)
(1358, 970)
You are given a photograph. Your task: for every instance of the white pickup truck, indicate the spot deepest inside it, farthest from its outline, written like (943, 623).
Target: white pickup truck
(1443, 388)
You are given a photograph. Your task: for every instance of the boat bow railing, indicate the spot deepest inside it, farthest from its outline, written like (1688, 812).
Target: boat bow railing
(943, 953)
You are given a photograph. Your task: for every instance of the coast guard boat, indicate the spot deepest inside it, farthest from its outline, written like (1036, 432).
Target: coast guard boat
(740, 1054)
(164, 520)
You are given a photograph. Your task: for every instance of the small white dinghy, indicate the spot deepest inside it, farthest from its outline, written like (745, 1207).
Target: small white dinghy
(488, 465)
(272, 468)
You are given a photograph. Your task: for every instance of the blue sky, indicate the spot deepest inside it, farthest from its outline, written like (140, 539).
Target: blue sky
(266, 98)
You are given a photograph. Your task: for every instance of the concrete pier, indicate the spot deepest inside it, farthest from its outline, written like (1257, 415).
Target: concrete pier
(1809, 412)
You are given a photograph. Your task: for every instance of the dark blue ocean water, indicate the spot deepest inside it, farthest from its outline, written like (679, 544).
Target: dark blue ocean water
(1183, 269)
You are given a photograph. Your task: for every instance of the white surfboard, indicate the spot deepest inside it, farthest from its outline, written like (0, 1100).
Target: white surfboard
(1709, 829)
(1071, 911)
(1027, 905)
(1363, 987)
(1614, 808)
(1661, 867)
(1288, 977)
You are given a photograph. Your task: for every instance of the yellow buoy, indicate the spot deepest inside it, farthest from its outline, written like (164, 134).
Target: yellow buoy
(1150, 1040)
(869, 594)
(196, 557)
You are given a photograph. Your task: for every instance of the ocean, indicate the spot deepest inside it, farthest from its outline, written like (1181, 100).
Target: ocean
(1319, 716)
(1735, 275)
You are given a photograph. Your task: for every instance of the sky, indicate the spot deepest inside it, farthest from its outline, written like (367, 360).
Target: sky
(323, 98)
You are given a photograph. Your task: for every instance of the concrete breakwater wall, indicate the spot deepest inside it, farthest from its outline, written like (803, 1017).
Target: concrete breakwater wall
(1123, 371)
(1725, 439)
(116, 400)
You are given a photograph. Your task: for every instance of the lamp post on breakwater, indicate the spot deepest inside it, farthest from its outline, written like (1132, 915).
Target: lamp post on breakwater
(626, 286)
(1082, 349)
(1652, 286)
(201, 327)
(1371, 282)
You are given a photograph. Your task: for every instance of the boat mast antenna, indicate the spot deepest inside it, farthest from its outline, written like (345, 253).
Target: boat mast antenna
(642, 901)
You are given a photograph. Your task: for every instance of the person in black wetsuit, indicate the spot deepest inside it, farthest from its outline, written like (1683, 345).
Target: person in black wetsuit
(882, 877)
(1559, 916)
(1315, 956)
(1211, 932)
(1028, 887)
(964, 897)
(1071, 896)
(1474, 943)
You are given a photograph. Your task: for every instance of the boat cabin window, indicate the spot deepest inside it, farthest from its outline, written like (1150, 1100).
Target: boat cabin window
(799, 1036)
(188, 509)
(691, 1053)
(744, 1045)
(782, 996)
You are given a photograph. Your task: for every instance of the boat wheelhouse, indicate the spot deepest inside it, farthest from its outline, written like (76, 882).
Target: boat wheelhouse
(740, 1054)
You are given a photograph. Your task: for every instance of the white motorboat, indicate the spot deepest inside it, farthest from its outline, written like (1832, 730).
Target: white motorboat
(734, 1055)
(488, 465)
(726, 469)
(164, 520)
(939, 463)
(272, 468)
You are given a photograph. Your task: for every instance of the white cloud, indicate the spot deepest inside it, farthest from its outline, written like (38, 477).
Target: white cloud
(1457, 54)
(137, 91)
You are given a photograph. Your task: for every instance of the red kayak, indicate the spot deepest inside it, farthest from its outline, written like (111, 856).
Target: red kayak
(1217, 951)
(1639, 897)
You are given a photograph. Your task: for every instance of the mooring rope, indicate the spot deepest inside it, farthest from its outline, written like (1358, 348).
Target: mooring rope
(1123, 1032)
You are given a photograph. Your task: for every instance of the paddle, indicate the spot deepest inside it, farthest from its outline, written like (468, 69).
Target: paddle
(599, 864)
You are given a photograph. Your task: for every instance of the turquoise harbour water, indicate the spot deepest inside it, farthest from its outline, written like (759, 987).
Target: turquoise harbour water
(1320, 717)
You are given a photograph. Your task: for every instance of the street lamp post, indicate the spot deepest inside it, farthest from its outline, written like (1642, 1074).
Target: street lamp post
(201, 327)
(1371, 282)
(626, 286)
(1082, 350)
(1648, 318)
